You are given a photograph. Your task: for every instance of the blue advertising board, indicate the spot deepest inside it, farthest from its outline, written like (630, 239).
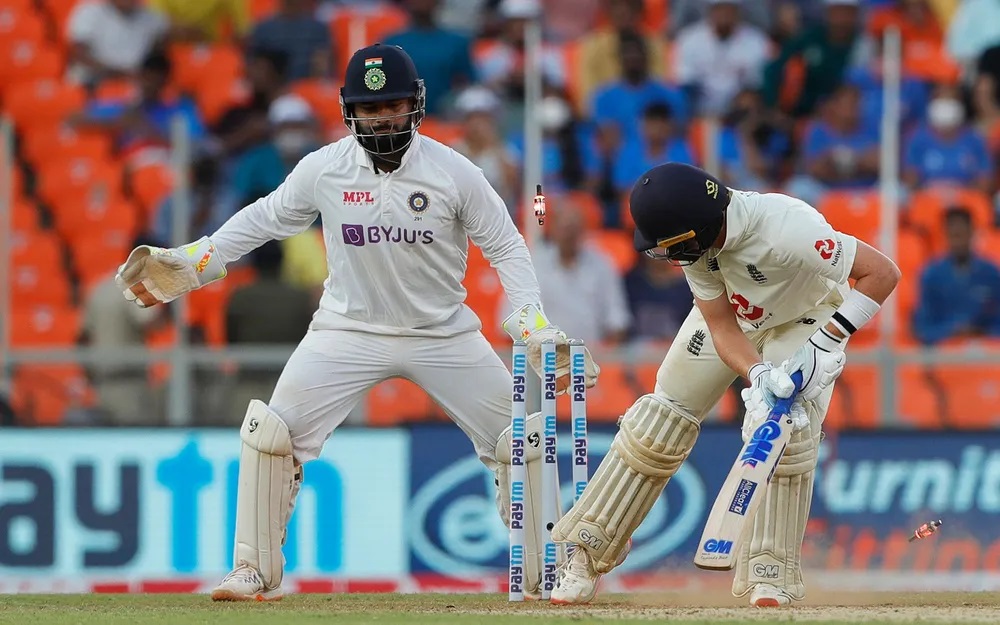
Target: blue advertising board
(140, 503)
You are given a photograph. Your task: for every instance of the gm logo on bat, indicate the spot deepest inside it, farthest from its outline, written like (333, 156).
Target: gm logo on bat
(759, 446)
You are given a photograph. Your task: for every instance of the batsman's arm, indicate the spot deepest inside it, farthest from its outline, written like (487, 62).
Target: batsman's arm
(876, 277)
(732, 345)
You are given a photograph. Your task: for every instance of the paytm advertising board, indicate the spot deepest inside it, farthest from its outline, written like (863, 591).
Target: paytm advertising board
(872, 491)
(123, 504)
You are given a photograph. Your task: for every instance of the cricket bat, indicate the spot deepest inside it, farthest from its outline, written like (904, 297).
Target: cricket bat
(733, 511)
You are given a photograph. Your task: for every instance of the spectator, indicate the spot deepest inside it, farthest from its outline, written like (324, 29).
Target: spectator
(917, 23)
(959, 293)
(110, 39)
(500, 64)
(246, 124)
(111, 322)
(986, 104)
(659, 141)
(443, 58)
(207, 214)
(839, 152)
(581, 291)
(914, 95)
(659, 299)
(562, 164)
(600, 56)
(304, 40)
(569, 20)
(718, 56)
(618, 107)
(205, 21)
(755, 144)
(974, 28)
(759, 13)
(268, 311)
(827, 50)
(482, 144)
(787, 24)
(142, 127)
(947, 150)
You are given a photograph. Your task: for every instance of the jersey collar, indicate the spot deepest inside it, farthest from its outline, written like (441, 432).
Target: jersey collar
(736, 220)
(364, 161)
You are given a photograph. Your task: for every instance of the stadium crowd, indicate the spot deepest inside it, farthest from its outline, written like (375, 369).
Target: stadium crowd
(778, 95)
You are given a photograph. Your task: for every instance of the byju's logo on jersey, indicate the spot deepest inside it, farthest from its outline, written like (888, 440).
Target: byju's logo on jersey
(359, 235)
(358, 198)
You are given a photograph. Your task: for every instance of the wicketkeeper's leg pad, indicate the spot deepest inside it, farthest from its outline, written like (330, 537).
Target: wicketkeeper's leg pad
(655, 436)
(268, 484)
(534, 531)
(773, 555)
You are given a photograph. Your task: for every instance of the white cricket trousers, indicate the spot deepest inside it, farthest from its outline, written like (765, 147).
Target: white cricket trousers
(331, 370)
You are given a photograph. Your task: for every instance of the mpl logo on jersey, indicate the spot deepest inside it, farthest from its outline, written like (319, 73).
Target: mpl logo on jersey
(163, 504)
(358, 198)
(455, 528)
(360, 235)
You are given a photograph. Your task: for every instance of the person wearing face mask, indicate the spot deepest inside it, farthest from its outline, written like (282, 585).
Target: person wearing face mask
(946, 151)
(562, 166)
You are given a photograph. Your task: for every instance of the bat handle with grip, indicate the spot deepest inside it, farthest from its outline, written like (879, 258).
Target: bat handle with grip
(784, 404)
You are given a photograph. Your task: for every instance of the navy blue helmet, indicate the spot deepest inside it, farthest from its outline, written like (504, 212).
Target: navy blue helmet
(381, 73)
(678, 210)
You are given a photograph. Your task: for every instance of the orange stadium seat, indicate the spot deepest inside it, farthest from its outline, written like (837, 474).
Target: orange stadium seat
(853, 212)
(99, 253)
(116, 90)
(46, 143)
(484, 295)
(855, 402)
(29, 60)
(207, 305)
(196, 66)
(42, 103)
(150, 186)
(262, 9)
(919, 401)
(353, 28)
(42, 394)
(972, 395)
(59, 12)
(324, 98)
(39, 284)
(613, 394)
(18, 20)
(79, 179)
(217, 98)
(397, 401)
(617, 244)
(932, 63)
(593, 214)
(927, 208)
(989, 245)
(44, 326)
(448, 133)
(24, 217)
(116, 217)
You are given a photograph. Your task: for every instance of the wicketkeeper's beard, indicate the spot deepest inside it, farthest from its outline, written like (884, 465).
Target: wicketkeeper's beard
(386, 141)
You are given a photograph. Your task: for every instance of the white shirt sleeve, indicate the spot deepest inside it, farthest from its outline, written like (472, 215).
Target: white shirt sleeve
(285, 212)
(83, 22)
(617, 316)
(704, 284)
(687, 55)
(485, 217)
(805, 240)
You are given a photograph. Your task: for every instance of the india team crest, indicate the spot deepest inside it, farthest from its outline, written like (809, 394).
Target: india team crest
(417, 202)
(374, 78)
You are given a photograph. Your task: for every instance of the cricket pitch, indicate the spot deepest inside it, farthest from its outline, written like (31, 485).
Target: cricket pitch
(493, 609)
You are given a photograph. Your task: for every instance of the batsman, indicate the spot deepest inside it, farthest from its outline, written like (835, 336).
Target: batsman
(770, 279)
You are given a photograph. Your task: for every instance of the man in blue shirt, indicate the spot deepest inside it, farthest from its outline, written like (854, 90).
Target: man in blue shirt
(659, 141)
(294, 32)
(947, 150)
(959, 293)
(618, 107)
(443, 57)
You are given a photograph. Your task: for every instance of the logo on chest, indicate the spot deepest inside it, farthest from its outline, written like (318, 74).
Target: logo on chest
(359, 235)
(358, 198)
(417, 203)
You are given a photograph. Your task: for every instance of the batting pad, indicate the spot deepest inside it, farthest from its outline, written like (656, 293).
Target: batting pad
(268, 483)
(655, 436)
(534, 536)
(773, 555)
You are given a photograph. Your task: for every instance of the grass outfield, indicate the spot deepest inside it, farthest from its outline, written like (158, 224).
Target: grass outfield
(490, 610)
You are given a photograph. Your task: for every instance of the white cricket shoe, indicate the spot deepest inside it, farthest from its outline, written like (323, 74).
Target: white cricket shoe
(768, 596)
(245, 584)
(577, 581)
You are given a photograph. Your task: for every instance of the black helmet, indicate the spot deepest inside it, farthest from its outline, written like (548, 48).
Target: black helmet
(678, 211)
(380, 73)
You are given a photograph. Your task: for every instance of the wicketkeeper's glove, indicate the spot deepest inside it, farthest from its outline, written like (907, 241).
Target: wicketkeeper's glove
(530, 325)
(156, 275)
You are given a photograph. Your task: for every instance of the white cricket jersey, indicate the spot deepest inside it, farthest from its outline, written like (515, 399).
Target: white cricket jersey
(779, 260)
(396, 243)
